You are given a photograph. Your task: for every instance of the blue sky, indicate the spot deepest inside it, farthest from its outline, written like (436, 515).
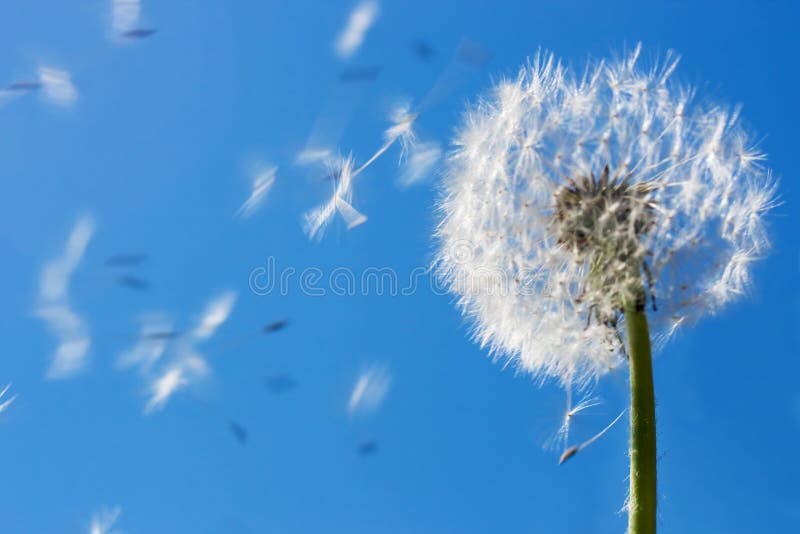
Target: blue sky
(158, 148)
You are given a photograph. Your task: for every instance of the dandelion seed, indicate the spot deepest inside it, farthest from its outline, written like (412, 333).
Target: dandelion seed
(344, 172)
(216, 313)
(24, 86)
(420, 162)
(7, 402)
(155, 333)
(57, 273)
(401, 129)
(55, 310)
(358, 24)
(57, 86)
(185, 364)
(125, 15)
(317, 219)
(73, 340)
(575, 449)
(561, 437)
(140, 33)
(262, 183)
(370, 390)
(274, 326)
(163, 387)
(104, 520)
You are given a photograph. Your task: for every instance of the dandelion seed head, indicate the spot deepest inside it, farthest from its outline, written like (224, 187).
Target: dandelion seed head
(571, 195)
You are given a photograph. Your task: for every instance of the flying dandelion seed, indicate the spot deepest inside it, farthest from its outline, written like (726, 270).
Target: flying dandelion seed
(370, 390)
(571, 413)
(139, 33)
(185, 364)
(24, 86)
(216, 313)
(54, 309)
(344, 172)
(274, 326)
(125, 23)
(73, 340)
(103, 521)
(318, 219)
(420, 163)
(125, 15)
(164, 387)
(355, 31)
(4, 404)
(154, 336)
(262, 184)
(402, 129)
(575, 449)
(57, 87)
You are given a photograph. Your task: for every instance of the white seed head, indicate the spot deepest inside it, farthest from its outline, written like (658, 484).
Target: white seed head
(569, 197)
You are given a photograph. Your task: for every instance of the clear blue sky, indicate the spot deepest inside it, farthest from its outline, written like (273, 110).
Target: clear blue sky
(156, 148)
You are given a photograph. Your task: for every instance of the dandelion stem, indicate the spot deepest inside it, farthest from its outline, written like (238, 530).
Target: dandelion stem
(643, 495)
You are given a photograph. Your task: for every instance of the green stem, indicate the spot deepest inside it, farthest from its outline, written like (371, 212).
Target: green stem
(643, 495)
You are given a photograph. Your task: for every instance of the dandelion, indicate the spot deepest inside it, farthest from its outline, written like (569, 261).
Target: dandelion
(596, 196)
